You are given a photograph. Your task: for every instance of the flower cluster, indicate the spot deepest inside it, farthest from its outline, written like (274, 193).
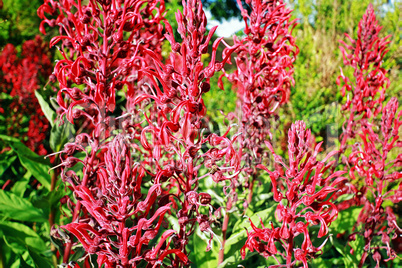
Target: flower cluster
(97, 51)
(141, 152)
(101, 45)
(112, 233)
(372, 162)
(109, 46)
(264, 74)
(365, 55)
(303, 189)
(174, 136)
(20, 77)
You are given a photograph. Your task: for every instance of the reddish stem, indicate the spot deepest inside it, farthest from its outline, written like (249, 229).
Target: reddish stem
(224, 230)
(77, 208)
(250, 193)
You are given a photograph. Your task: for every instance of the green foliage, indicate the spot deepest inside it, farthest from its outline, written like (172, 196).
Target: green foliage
(48, 112)
(321, 24)
(18, 21)
(24, 209)
(17, 208)
(31, 161)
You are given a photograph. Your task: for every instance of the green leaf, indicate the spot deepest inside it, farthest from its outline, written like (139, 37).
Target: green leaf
(48, 200)
(346, 219)
(22, 236)
(79, 252)
(39, 260)
(23, 264)
(6, 160)
(202, 258)
(266, 216)
(21, 185)
(34, 163)
(49, 113)
(239, 236)
(16, 246)
(60, 134)
(349, 260)
(19, 209)
(234, 259)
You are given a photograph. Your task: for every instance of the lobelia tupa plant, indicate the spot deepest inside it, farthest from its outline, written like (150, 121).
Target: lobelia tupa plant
(20, 77)
(371, 163)
(365, 55)
(110, 218)
(176, 137)
(140, 159)
(100, 48)
(304, 189)
(263, 76)
(374, 163)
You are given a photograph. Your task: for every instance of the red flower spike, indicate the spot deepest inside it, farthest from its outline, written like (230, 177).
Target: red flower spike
(20, 77)
(304, 206)
(176, 125)
(371, 171)
(111, 212)
(264, 74)
(365, 55)
(371, 163)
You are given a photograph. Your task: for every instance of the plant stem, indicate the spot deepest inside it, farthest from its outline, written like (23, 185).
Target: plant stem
(52, 214)
(250, 193)
(224, 230)
(77, 208)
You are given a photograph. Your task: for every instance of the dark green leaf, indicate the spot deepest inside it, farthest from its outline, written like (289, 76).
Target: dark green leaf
(349, 260)
(57, 243)
(22, 235)
(79, 252)
(48, 200)
(23, 264)
(6, 160)
(49, 113)
(60, 134)
(18, 208)
(21, 185)
(15, 244)
(34, 163)
(39, 260)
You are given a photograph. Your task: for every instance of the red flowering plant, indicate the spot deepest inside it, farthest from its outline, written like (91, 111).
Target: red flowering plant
(305, 201)
(175, 137)
(262, 79)
(140, 162)
(110, 231)
(100, 49)
(169, 138)
(263, 76)
(19, 78)
(372, 163)
(366, 94)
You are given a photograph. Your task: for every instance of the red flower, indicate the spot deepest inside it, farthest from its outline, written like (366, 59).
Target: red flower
(308, 194)
(365, 55)
(20, 77)
(263, 76)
